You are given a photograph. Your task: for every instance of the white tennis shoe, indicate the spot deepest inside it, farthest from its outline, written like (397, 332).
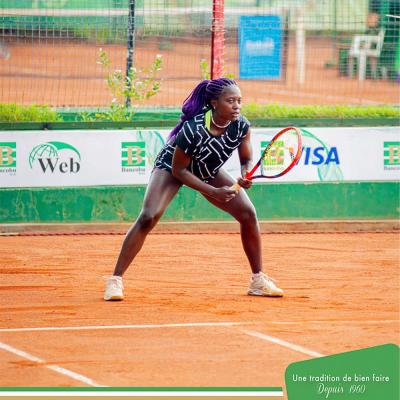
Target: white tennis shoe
(114, 288)
(263, 285)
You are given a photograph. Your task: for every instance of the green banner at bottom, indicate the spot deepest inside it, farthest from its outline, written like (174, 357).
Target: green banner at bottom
(366, 374)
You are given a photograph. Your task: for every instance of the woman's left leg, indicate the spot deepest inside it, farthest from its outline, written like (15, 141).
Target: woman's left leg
(242, 209)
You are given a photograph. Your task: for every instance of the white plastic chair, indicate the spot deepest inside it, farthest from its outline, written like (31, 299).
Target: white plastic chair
(363, 48)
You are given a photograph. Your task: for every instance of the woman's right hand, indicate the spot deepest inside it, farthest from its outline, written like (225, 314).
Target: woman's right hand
(224, 194)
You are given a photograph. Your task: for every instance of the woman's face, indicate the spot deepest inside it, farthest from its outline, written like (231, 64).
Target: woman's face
(228, 105)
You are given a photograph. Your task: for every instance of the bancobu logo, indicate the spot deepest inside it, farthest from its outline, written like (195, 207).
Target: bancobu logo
(275, 155)
(56, 157)
(8, 157)
(133, 157)
(391, 155)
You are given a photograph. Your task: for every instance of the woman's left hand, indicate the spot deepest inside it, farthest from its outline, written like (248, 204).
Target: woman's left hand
(245, 183)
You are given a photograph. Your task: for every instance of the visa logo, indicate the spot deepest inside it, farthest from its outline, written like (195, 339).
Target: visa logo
(319, 155)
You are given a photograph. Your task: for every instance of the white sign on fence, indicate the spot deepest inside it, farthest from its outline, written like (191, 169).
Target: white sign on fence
(126, 157)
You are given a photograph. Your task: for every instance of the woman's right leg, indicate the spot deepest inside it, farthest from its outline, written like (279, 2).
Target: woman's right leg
(160, 191)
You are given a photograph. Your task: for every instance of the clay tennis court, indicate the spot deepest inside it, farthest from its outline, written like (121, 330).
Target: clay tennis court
(68, 74)
(186, 319)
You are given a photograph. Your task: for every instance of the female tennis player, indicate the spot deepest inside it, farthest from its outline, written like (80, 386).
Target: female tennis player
(211, 128)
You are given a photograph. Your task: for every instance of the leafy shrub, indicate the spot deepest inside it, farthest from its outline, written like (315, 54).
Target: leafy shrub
(33, 113)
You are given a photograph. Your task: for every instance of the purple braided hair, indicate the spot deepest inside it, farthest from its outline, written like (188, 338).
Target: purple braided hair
(199, 99)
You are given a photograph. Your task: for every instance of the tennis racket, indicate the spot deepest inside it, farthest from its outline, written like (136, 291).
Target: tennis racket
(279, 156)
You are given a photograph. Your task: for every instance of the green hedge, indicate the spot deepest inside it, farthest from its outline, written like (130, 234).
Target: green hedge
(42, 113)
(33, 113)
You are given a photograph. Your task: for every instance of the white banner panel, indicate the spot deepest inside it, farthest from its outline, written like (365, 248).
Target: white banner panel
(339, 154)
(125, 157)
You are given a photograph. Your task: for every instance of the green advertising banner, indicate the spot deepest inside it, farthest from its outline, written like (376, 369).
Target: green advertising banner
(367, 374)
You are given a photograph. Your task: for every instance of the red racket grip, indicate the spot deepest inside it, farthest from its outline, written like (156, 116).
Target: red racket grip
(236, 187)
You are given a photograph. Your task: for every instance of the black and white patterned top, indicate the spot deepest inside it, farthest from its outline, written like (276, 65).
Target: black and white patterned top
(209, 153)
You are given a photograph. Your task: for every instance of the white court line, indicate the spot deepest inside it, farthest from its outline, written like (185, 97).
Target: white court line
(108, 393)
(194, 324)
(332, 323)
(56, 368)
(83, 328)
(283, 343)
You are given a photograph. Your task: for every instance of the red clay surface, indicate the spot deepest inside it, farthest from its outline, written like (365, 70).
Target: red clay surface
(342, 294)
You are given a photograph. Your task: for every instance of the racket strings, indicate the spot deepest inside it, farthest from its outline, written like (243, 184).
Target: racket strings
(280, 154)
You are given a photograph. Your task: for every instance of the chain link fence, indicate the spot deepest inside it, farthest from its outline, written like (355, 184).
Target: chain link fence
(286, 52)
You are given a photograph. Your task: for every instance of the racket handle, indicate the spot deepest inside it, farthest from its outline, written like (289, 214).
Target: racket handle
(236, 187)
